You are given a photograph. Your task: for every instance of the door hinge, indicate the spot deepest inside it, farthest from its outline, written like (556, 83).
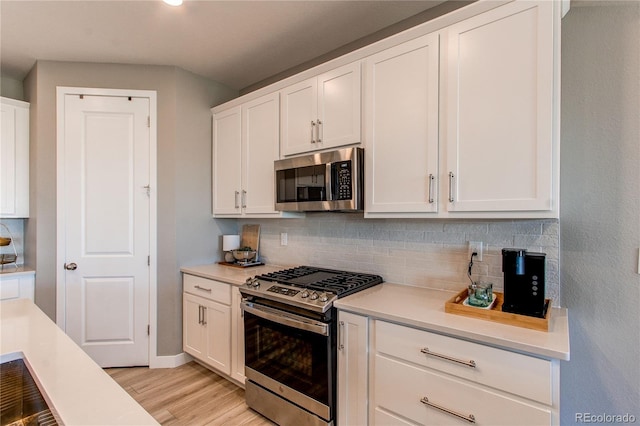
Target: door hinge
(148, 121)
(148, 330)
(148, 260)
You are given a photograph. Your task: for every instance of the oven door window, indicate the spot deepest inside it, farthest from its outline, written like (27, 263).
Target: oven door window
(296, 358)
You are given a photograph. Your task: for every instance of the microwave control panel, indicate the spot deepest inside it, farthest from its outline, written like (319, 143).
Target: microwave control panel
(342, 178)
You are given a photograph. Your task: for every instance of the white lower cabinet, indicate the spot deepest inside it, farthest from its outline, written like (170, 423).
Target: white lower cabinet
(207, 322)
(353, 348)
(391, 374)
(429, 398)
(17, 286)
(237, 336)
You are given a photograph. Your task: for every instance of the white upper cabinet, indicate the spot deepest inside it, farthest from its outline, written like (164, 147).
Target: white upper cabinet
(500, 111)
(321, 112)
(227, 160)
(245, 145)
(460, 118)
(260, 146)
(464, 122)
(401, 127)
(14, 159)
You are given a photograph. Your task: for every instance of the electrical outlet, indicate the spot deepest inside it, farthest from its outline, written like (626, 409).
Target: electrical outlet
(283, 238)
(476, 247)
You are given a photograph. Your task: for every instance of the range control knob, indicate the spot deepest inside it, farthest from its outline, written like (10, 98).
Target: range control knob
(313, 296)
(304, 294)
(324, 297)
(252, 282)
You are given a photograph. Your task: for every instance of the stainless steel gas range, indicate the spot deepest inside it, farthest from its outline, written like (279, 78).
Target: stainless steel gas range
(290, 341)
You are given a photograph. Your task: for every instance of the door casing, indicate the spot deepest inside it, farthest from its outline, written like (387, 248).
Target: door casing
(62, 91)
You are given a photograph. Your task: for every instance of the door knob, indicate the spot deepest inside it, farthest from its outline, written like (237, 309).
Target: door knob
(70, 266)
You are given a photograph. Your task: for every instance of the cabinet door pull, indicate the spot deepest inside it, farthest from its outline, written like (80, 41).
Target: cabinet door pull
(203, 288)
(319, 131)
(199, 314)
(470, 418)
(313, 131)
(341, 335)
(244, 199)
(204, 315)
(431, 179)
(236, 193)
(451, 177)
(470, 363)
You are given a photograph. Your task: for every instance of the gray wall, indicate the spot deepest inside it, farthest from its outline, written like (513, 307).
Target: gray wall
(11, 88)
(600, 209)
(184, 149)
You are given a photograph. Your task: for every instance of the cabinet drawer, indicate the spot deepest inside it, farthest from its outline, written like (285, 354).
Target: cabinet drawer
(21, 287)
(400, 388)
(210, 289)
(384, 418)
(520, 374)
(10, 289)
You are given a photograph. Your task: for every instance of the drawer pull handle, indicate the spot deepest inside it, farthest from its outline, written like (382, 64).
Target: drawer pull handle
(470, 363)
(470, 418)
(202, 288)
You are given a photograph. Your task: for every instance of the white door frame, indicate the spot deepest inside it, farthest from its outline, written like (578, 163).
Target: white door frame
(153, 206)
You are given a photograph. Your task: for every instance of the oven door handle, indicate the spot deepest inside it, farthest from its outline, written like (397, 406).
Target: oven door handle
(286, 318)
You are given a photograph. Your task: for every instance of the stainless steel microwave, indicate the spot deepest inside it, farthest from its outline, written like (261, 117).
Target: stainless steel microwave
(325, 181)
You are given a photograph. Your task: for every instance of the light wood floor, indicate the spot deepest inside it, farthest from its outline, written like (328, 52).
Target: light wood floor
(187, 395)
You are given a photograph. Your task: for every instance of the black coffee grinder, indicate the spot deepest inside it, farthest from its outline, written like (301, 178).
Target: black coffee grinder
(524, 281)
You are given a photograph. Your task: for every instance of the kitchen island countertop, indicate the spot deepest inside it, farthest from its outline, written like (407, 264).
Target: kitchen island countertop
(424, 308)
(74, 386)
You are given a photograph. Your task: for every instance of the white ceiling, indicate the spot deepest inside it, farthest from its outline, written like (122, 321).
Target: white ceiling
(237, 43)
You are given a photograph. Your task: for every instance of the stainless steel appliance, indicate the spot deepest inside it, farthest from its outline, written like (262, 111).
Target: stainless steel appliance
(290, 328)
(324, 181)
(524, 282)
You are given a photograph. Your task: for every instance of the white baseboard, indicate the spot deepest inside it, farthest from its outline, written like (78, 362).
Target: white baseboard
(169, 361)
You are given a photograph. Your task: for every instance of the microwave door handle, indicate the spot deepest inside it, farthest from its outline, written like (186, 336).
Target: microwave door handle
(327, 182)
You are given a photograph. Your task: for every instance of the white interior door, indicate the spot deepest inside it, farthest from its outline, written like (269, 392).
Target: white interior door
(107, 226)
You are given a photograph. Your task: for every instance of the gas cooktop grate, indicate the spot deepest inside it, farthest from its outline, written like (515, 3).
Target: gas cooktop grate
(342, 283)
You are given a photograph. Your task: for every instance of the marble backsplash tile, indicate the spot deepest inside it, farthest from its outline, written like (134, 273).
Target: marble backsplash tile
(423, 253)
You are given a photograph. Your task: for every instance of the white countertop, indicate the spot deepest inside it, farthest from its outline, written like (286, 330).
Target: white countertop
(75, 387)
(230, 274)
(424, 308)
(11, 271)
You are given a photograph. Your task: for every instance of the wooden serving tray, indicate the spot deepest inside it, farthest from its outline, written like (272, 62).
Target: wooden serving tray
(455, 306)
